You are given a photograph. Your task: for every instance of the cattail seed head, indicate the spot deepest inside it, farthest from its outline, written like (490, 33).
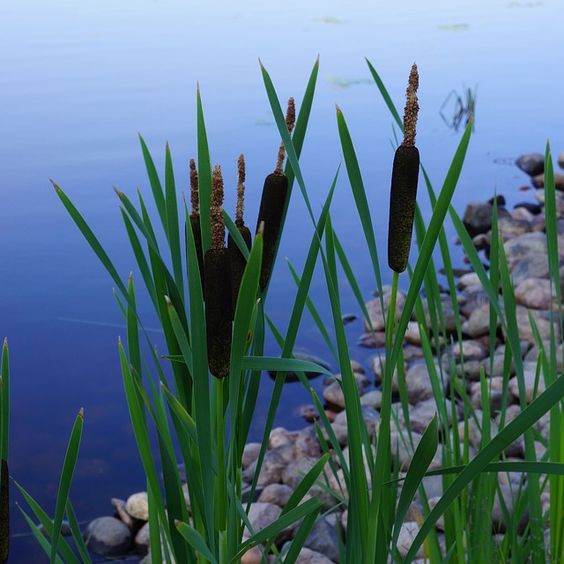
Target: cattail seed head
(290, 122)
(194, 195)
(216, 210)
(405, 175)
(240, 191)
(411, 108)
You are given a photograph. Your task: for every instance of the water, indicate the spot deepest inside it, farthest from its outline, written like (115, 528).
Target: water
(79, 80)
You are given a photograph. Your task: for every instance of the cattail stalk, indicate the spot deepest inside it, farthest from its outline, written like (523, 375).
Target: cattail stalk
(195, 217)
(238, 261)
(217, 286)
(405, 174)
(271, 212)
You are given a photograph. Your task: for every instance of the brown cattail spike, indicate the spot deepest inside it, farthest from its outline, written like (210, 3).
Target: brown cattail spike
(240, 191)
(290, 122)
(194, 195)
(411, 108)
(216, 210)
(405, 174)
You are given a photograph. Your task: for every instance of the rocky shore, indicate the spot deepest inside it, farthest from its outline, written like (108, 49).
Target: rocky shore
(292, 453)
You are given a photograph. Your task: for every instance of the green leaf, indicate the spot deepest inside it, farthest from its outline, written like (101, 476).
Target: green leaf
(69, 464)
(195, 540)
(154, 182)
(276, 364)
(204, 174)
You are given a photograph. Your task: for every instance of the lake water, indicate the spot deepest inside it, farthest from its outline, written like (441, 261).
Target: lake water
(78, 80)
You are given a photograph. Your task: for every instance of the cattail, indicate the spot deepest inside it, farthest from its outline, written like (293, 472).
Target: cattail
(405, 173)
(271, 212)
(195, 217)
(238, 261)
(217, 286)
(4, 512)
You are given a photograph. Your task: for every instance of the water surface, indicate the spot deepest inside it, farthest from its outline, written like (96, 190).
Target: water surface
(79, 80)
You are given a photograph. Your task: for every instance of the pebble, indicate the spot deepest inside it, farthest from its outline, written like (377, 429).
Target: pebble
(137, 505)
(531, 163)
(107, 536)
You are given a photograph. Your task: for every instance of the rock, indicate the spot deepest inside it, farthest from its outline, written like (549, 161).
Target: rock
(471, 350)
(279, 494)
(448, 313)
(418, 383)
(478, 323)
(523, 214)
(252, 556)
(307, 443)
(137, 505)
(375, 310)
(308, 412)
(372, 399)
(66, 530)
(529, 376)
(141, 541)
(107, 536)
(345, 519)
(372, 340)
(261, 515)
(407, 535)
(468, 280)
(533, 266)
(274, 463)
(333, 394)
(324, 539)
(402, 452)
(357, 368)
(535, 293)
(542, 320)
(341, 433)
(412, 335)
(510, 227)
(360, 378)
(279, 436)
(250, 454)
(561, 160)
(538, 181)
(478, 218)
(308, 556)
(495, 386)
(474, 432)
(531, 207)
(539, 195)
(524, 246)
(293, 473)
(371, 418)
(421, 415)
(124, 516)
(348, 318)
(531, 163)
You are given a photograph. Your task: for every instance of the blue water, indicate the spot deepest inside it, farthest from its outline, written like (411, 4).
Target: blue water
(78, 80)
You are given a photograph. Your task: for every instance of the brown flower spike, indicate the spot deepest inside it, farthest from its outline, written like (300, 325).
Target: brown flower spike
(405, 174)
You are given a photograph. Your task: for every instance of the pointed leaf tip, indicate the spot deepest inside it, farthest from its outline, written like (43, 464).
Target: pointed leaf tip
(81, 412)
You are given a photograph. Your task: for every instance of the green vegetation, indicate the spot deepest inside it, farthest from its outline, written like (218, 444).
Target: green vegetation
(204, 422)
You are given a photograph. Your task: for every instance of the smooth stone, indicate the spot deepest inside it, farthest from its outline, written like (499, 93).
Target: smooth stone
(531, 207)
(561, 160)
(273, 464)
(141, 540)
(124, 516)
(308, 412)
(538, 181)
(261, 515)
(529, 376)
(137, 505)
(372, 399)
(375, 309)
(471, 350)
(107, 536)
(307, 443)
(324, 539)
(498, 517)
(478, 323)
(402, 452)
(535, 293)
(279, 494)
(531, 163)
(474, 432)
(468, 280)
(530, 266)
(348, 318)
(520, 213)
(524, 246)
(372, 340)
(542, 321)
(477, 217)
(417, 382)
(308, 556)
(280, 436)
(510, 227)
(250, 454)
(407, 535)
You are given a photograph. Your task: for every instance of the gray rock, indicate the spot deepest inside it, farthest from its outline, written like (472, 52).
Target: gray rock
(261, 515)
(524, 246)
(307, 444)
(417, 382)
(499, 521)
(478, 323)
(280, 436)
(324, 539)
(510, 227)
(531, 163)
(372, 340)
(308, 556)
(372, 399)
(274, 463)
(407, 535)
(478, 218)
(250, 453)
(474, 432)
(530, 266)
(124, 516)
(375, 310)
(538, 181)
(141, 540)
(137, 505)
(535, 293)
(107, 536)
(529, 377)
(279, 494)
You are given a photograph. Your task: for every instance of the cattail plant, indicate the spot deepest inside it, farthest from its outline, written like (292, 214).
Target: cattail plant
(217, 286)
(405, 173)
(237, 259)
(195, 216)
(271, 210)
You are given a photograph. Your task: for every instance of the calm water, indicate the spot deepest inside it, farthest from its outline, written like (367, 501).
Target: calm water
(78, 80)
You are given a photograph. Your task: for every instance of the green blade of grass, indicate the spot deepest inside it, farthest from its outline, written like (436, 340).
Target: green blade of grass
(154, 181)
(204, 174)
(39, 536)
(173, 230)
(359, 194)
(536, 409)
(69, 464)
(91, 239)
(277, 364)
(385, 95)
(77, 534)
(195, 540)
(420, 462)
(4, 401)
